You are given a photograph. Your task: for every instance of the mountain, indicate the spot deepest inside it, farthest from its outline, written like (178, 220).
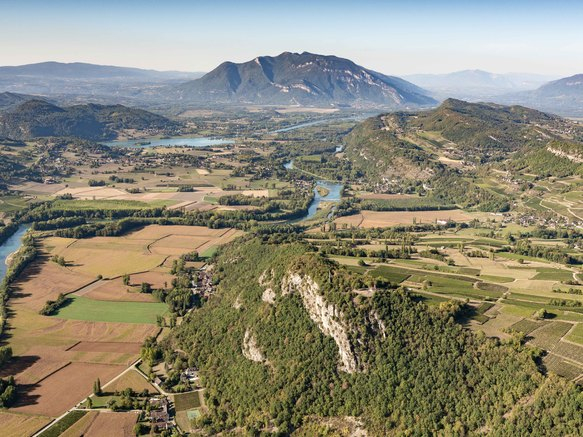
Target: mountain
(98, 83)
(563, 96)
(476, 84)
(292, 343)
(302, 79)
(38, 118)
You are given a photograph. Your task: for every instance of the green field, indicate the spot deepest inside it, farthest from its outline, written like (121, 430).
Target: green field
(391, 274)
(84, 205)
(576, 335)
(82, 308)
(550, 274)
(208, 253)
(62, 425)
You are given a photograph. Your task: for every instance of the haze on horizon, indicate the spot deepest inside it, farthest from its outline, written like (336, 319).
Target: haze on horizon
(393, 37)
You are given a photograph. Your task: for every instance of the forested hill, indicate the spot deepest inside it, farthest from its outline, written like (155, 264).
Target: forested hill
(38, 118)
(440, 152)
(289, 340)
(302, 79)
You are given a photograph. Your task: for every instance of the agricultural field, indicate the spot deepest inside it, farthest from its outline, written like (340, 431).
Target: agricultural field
(472, 263)
(377, 219)
(187, 407)
(21, 424)
(130, 379)
(98, 332)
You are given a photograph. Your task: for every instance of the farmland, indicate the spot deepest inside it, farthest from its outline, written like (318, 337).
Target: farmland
(100, 329)
(475, 264)
(375, 219)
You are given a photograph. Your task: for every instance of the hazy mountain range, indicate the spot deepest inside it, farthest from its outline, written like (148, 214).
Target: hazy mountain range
(563, 96)
(88, 82)
(300, 79)
(477, 84)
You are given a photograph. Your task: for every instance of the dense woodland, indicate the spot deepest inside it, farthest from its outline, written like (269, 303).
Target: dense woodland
(420, 373)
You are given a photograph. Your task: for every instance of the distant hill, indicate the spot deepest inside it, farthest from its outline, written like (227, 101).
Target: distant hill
(304, 79)
(38, 118)
(9, 100)
(563, 96)
(98, 83)
(476, 84)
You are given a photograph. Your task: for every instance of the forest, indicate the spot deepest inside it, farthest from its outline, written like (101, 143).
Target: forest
(417, 370)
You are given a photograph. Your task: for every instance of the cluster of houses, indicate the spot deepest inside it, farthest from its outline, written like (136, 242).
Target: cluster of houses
(202, 284)
(160, 414)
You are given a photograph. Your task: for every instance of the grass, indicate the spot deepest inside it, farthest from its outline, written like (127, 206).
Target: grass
(550, 274)
(576, 335)
(85, 205)
(208, 253)
(187, 401)
(12, 203)
(391, 274)
(62, 425)
(82, 308)
(515, 257)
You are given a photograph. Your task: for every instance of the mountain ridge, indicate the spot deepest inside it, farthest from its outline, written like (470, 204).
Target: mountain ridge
(302, 79)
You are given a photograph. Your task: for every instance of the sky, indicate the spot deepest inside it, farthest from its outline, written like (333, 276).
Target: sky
(393, 37)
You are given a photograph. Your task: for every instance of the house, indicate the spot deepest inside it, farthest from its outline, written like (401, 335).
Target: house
(159, 415)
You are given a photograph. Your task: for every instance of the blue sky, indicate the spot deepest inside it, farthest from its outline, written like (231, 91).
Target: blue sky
(394, 37)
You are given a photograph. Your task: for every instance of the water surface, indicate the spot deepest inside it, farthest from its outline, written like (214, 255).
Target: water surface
(10, 246)
(183, 141)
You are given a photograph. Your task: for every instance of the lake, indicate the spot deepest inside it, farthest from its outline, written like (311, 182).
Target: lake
(183, 141)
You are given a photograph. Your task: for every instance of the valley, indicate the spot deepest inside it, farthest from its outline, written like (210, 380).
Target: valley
(269, 270)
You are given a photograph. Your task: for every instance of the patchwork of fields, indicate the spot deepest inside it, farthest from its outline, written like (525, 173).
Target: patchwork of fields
(100, 330)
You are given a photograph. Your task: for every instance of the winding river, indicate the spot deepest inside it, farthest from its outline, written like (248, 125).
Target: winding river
(334, 192)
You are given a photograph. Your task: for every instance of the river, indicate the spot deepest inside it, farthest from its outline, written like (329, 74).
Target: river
(9, 247)
(334, 192)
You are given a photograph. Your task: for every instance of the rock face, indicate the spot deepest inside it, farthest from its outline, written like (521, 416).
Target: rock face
(325, 315)
(266, 280)
(562, 154)
(250, 348)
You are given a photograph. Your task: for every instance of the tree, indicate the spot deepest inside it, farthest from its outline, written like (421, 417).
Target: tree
(146, 288)
(126, 280)
(97, 387)
(5, 354)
